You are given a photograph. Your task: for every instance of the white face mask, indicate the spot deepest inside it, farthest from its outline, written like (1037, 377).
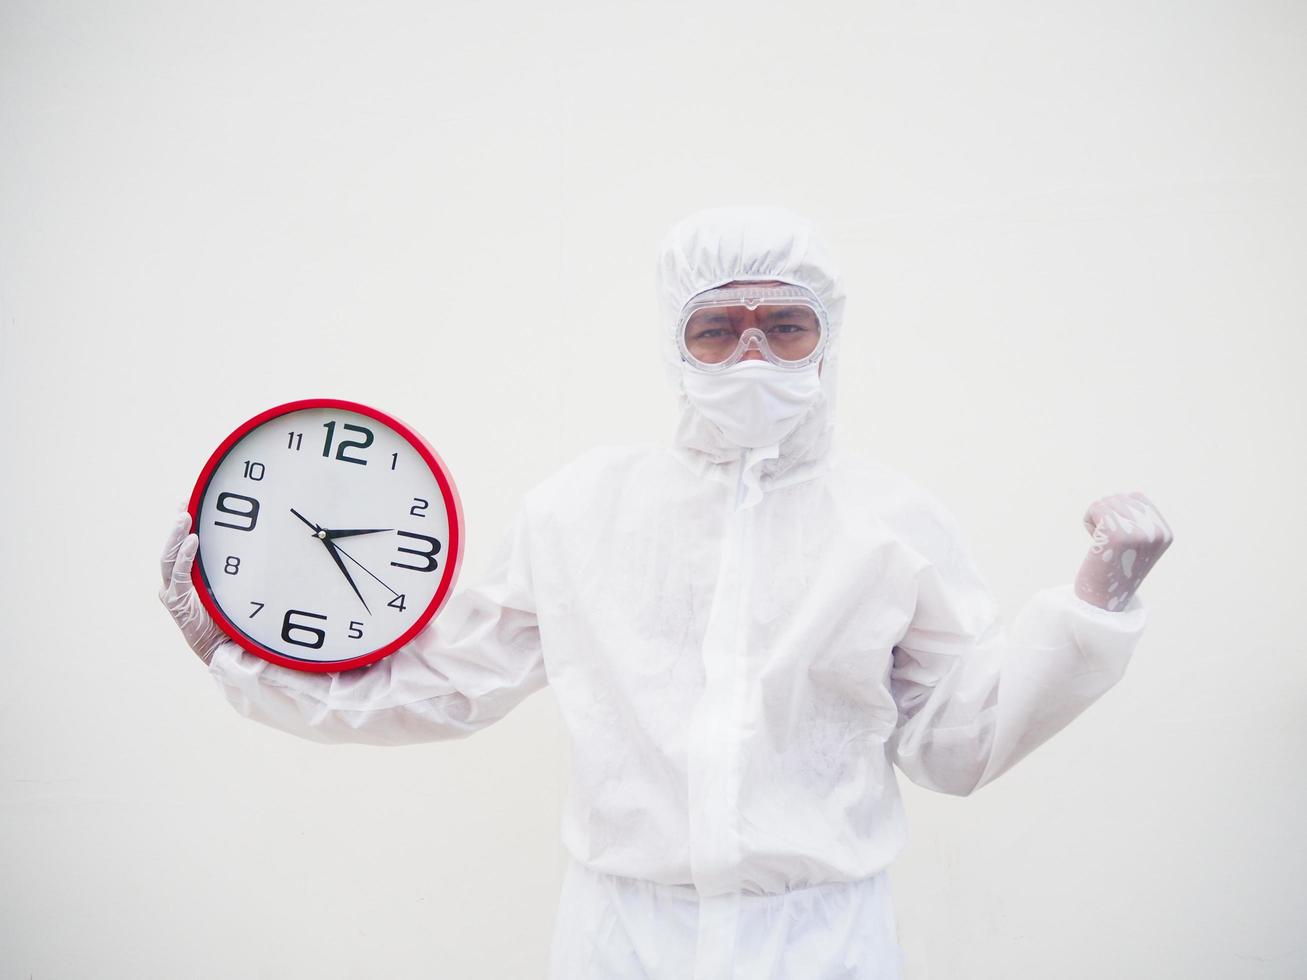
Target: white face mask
(753, 402)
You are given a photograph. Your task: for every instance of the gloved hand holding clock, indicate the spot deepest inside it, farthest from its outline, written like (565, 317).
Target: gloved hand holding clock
(178, 595)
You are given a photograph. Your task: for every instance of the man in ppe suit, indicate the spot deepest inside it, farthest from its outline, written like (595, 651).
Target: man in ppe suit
(745, 632)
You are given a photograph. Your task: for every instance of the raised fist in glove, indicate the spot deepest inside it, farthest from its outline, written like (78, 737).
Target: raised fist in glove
(1129, 536)
(180, 598)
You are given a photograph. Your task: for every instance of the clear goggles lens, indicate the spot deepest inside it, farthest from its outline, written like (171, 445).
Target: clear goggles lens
(785, 324)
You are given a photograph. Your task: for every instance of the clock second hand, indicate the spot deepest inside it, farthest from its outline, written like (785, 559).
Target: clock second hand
(364, 567)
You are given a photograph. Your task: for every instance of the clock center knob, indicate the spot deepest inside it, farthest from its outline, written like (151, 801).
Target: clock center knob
(322, 534)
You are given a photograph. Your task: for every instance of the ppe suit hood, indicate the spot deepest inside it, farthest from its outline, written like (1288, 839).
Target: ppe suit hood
(719, 245)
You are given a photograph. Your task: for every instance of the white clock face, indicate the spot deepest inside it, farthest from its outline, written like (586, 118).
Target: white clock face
(325, 538)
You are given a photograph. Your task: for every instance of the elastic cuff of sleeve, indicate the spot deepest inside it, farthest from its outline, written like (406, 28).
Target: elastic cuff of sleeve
(1085, 616)
(223, 655)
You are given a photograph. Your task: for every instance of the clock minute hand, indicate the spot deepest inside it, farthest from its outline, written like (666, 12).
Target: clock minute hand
(345, 571)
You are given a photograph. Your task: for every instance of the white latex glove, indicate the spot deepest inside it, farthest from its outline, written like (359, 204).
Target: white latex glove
(1129, 536)
(180, 598)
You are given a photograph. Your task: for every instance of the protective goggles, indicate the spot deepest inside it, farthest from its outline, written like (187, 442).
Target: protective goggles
(785, 324)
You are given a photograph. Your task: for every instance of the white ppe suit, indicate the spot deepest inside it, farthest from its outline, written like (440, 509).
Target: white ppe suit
(741, 643)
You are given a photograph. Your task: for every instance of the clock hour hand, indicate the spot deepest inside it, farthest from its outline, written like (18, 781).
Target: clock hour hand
(345, 534)
(348, 578)
(316, 530)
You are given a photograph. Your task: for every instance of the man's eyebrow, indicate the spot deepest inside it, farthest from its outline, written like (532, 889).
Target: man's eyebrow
(789, 311)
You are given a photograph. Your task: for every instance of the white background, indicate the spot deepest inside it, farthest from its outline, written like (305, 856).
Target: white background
(1074, 237)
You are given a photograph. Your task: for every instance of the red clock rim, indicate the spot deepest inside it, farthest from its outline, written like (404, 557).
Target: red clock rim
(454, 553)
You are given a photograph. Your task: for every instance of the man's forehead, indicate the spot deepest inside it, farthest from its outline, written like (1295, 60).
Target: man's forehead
(735, 284)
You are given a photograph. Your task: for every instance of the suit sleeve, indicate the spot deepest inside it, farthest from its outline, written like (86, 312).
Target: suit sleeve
(477, 659)
(976, 696)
